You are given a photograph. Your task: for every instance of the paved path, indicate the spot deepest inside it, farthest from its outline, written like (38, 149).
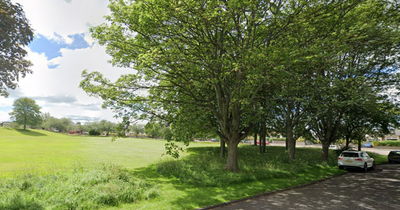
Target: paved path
(375, 190)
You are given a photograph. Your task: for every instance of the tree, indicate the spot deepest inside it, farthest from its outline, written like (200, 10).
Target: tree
(376, 117)
(26, 112)
(15, 33)
(205, 64)
(355, 62)
(137, 129)
(59, 125)
(100, 127)
(202, 61)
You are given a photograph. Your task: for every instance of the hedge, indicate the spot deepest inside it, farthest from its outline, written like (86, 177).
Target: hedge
(387, 143)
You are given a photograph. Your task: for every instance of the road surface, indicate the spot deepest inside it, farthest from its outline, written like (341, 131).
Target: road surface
(374, 190)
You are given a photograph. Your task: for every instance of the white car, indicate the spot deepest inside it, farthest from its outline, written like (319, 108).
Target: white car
(355, 159)
(335, 147)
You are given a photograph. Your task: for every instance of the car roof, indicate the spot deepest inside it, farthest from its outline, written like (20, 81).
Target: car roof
(351, 151)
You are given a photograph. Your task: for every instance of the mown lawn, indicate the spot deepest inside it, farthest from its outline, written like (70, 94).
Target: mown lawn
(45, 170)
(44, 151)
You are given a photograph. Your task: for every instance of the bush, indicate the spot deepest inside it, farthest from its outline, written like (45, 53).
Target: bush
(94, 133)
(375, 143)
(387, 143)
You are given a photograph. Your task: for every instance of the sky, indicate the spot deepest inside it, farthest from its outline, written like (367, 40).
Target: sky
(61, 49)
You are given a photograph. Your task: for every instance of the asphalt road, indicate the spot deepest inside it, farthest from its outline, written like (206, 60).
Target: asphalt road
(374, 190)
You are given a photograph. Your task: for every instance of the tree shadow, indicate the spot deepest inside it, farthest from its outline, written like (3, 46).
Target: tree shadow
(29, 132)
(194, 196)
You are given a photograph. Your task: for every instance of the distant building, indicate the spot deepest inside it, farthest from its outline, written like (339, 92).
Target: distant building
(393, 136)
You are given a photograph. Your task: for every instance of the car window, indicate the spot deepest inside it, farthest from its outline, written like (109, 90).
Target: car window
(349, 154)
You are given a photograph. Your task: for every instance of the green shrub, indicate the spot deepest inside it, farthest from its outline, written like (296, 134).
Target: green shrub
(387, 143)
(375, 143)
(94, 133)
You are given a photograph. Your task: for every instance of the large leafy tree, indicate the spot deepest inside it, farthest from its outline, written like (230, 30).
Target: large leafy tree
(203, 62)
(377, 116)
(26, 112)
(15, 33)
(207, 64)
(355, 62)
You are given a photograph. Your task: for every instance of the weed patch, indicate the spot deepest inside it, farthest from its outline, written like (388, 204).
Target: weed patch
(108, 185)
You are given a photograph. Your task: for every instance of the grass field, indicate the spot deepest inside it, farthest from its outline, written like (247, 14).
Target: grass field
(44, 151)
(45, 170)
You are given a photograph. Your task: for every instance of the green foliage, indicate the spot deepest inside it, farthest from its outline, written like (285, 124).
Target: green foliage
(98, 128)
(94, 133)
(108, 185)
(54, 124)
(206, 168)
(137, 129)
(157, 130)
(387, 143)
(26, 112)
(15, 33)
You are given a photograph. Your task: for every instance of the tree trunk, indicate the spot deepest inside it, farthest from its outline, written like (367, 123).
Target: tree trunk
(222, 148)
(347, 142)
(290, 141)
(325, 150)
(263, 134)
(25, 123)
(359, 144)
(286, 144)
(255, 138)
(264, 143)
(232, 162)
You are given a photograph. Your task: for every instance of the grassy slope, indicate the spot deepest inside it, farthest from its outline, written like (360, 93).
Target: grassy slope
(47, 151)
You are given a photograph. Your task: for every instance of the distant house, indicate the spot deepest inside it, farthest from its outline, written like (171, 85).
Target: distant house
(393, 136)
(77, 132)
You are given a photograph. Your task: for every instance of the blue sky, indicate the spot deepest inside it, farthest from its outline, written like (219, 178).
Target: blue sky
(52, 48)
(61, 49)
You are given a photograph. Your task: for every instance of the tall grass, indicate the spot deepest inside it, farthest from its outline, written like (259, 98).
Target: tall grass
(207, 169)
(81, 188)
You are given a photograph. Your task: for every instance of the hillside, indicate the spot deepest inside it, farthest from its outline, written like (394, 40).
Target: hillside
(11, 132)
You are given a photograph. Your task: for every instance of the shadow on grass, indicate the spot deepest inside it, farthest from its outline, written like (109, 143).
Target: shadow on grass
(29, 132)
(196, 196)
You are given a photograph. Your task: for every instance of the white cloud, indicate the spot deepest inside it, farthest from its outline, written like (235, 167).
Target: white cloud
(56, 90)
(51, 17)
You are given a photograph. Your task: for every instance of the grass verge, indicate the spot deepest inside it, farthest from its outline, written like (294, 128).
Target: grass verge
(81, 188)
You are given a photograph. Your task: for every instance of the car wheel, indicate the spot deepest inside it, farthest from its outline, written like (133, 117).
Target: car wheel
(389, 161)
(373, 166)
(365, 169)
(341, 168)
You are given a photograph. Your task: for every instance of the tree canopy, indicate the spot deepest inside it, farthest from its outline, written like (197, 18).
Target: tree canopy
(26, 112)
(15, 33)
(221, 65)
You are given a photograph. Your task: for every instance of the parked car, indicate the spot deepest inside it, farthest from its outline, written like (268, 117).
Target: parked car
(355, 159)
(266, 142)
(394, 156)
(368, 144)
(335, 147)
